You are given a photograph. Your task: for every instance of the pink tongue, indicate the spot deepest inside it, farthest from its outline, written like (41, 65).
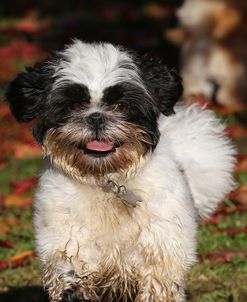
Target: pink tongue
(99, 146)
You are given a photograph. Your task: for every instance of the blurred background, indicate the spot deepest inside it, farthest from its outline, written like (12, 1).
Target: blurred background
(206, 41)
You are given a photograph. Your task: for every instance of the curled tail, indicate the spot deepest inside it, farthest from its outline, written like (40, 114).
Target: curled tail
(198, 143)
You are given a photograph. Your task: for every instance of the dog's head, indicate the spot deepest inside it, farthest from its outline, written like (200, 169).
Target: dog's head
(95, 106)
(216, 19)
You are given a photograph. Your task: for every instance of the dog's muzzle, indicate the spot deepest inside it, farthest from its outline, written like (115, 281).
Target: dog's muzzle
(96, 121)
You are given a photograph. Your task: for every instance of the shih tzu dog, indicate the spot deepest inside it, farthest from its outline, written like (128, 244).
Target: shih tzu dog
(128, 174)
(214, 53)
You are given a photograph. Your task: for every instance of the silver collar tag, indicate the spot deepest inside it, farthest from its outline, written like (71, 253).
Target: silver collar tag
(129, 198)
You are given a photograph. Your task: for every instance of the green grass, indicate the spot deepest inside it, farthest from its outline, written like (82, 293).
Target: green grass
(219, 282)
(18, 170)
(20, 234)
(242, 178)
(210, 240)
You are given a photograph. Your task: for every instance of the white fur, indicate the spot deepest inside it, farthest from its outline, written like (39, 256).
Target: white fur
(188, 175)
(97, 66)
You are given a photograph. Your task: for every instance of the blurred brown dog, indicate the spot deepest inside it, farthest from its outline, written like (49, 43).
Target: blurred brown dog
(213, 34)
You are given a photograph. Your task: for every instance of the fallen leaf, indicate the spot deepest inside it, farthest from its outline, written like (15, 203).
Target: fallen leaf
(7, 243)
(15, 55)
(22, 151)
(236, 132)
(23, 186)
(7, 224)
(3, 165)
(32, 23)
(4, 110)
(224, 256)
(215, 219)
(242, 164)
(239, 196)
(17, 201)
(232, 232)
(18, 260)
(3, 227)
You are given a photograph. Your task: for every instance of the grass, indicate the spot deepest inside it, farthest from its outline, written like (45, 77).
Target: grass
(213, 281)
(219, 283)
(210, 241)
(18, 170)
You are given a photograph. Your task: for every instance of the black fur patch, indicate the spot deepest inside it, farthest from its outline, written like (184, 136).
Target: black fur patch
(59, 107)
(63, 100)
(27, 92)
(71, 296)
(165, 85)
(74, 94)
(142, 109)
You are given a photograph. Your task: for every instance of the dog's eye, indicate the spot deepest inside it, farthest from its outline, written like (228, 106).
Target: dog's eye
(120, 106)
(75, 106)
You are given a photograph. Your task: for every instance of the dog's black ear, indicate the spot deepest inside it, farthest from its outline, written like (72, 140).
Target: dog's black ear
(164, 84)
(26, 92)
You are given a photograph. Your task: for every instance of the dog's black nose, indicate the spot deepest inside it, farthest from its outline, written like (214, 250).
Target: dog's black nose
(96, 120)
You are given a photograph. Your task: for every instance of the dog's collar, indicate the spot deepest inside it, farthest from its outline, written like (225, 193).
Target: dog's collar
(127, 197)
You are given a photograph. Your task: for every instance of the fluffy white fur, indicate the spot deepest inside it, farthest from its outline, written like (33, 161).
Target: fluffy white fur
(80, 229)
(97, 66)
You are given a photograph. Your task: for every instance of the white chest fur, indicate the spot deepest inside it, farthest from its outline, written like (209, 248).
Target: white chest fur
(99, 223)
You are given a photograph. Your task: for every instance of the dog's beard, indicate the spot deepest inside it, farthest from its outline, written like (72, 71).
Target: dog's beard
(65, 148)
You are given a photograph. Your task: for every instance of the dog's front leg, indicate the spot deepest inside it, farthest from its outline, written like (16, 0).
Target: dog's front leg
(62, 282)
(154, 290)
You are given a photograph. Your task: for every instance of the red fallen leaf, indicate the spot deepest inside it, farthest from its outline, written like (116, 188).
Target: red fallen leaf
(239, 196)
(232, 232)
(22, 186)
(17, 260)
(7, 224)
(8, 71)
(226, 210)
(31, 24)
(22, 151)
(21, 49)
(16, 53)
(8, 244)
(215, 219)
(225, 256)
(4, 110)
(3, 164)
(3, 227)
(240, 157)
(17, 201)
(6, 147)
(242, 164)
(223, 210)
(236, 132)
